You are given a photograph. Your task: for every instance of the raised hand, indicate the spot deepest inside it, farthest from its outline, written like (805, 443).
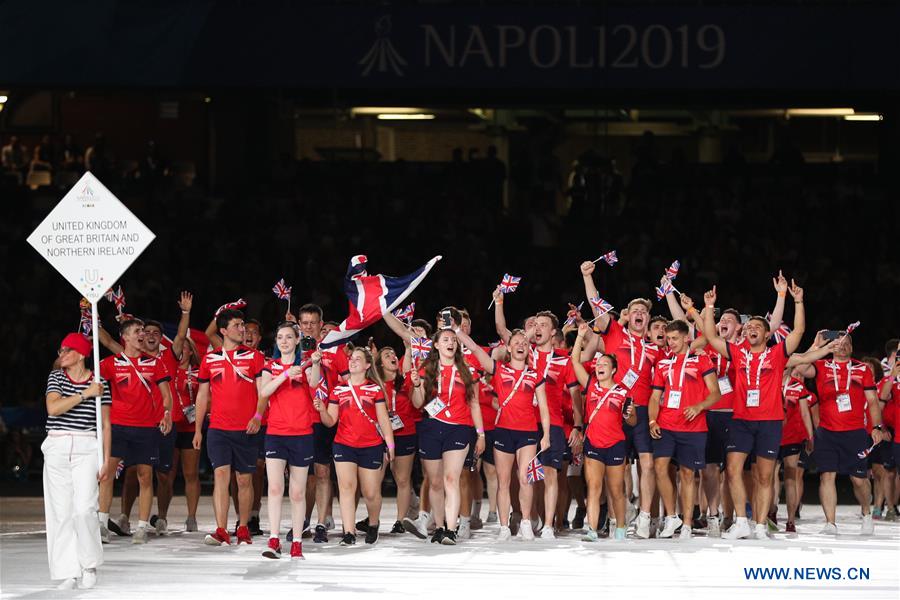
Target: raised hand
(780, 283)
(583, 329)
(587, 267)
(796, 292)
(186, 301)
(709, 298)
(686, 303)
(497, 295)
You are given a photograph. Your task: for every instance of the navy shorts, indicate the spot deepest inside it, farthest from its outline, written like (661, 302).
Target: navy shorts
(717, 423)
(323, 440)
(371, 457)
(895, 452)
(184, 440)
(166, 451)
(836, 451)
(760, 438)
(881, 455)
(553, 456)
(135, 445)
(567, 453)
(686, 447)
(437, 437)
(611, 456)
(641, 440)
(405, 444)
(261, 455)
(297, 450)
(235, 449)
(789, 450)
(510, 440)
(489, 440)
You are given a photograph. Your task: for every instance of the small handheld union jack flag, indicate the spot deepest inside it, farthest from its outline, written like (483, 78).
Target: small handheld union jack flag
(322, 390)
(865, 453)
(420, 348)
(672, 271)
(117, 297)
(600, 306)
(237, 305)
(851, 327)
(282, 290)
(781, 333)
(406, 313)
(665, 288)
(509, 283)
(573, 315)
(85, 326)
(535, 471)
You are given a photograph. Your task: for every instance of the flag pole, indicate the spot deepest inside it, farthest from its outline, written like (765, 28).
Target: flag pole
(99, 415)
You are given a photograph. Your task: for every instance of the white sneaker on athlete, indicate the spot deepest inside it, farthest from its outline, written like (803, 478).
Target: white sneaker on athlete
(504, 534)
(712, 527)
(685, 532)
(630, 513)
(740, 529)
(190, 524)
(672, 523)
(761, 532)
(525, 530)
(67, 584)
(829, 529)
(547, 533)
(430, 525)
(464, 531)
(88, 578)
(162, 526)
(868, 527)
(124, 523)
(140, 536)
(417, 527)
(104, 533)
(642, 528)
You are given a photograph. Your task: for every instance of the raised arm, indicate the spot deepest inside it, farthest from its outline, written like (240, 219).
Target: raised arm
(212, 332)
(590, 290)
(674, 308)
(781, 287)
(581, 373)
(108, 342)
(397, 326)
(486, 362)
(709, 325)
(500, 317)
(185, 304)
(811, 356)
(793, 339)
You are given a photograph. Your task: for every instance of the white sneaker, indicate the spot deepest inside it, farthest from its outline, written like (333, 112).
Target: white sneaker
(672, 523)
(140, 536)
(686, 532)
(547, 533)
(329, 523)
(190, 524)
(829, 529)
(162, 526)
(868, 527)
(740, 529)
(712, 527)
(88, 578)
(504, 534)
(124, 523)
(416, 527)
(104, 533)
(630, 513)
(464, 531)
(642, 529)
(761, 532)
(525, 530)
(430, 525)
(67, 584)
(492, 517)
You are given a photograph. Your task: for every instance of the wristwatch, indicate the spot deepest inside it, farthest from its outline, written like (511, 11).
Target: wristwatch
(580, 428)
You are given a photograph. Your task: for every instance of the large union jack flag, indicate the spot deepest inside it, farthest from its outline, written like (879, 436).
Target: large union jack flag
(371, 296)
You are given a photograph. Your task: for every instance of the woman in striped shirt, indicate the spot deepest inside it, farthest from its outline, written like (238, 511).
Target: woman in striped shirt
(70, 466)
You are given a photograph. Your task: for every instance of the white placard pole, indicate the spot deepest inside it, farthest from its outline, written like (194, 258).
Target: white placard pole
(97, 399)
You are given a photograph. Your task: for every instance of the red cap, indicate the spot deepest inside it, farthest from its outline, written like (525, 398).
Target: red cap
(78, 343)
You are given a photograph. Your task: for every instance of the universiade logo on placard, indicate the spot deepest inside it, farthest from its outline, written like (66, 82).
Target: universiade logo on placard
(382, 56)
(86, 196)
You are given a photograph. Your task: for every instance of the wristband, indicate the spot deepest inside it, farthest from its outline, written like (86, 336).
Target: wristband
(258, 417)
(878, 427)
(710, 306)
(691, 310)
(390, 446)
(185, 312)
(796, 302)
(578, 428)
(782, 294)
(479, 430)
(651, 422)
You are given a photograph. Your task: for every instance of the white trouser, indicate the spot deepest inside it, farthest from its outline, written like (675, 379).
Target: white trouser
(71, 503)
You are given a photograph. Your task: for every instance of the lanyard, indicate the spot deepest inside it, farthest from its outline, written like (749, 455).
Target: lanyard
(138, 373)
(748, 357)
(393, 397)
(602, 400)
(834, 374)
(234, 368)
(511, 394)
(362, 410)
(683, 367)
(441, 382)
(631, 352)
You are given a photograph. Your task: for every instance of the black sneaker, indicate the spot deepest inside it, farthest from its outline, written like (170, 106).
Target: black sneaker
(236, 525)
(362, 527)
(449, 538)
(438, 535)
(153, 520)
(253, 526)
(398, 527)
(372, 534)
(306, 532)
(290, 535)
(321, 536)
(603, 532)
(114, 527)
(348, 540)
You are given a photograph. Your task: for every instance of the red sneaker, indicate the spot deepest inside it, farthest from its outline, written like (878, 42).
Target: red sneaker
(789, 527)
(243, 535)
(274, 549)
(297, 551)
(219, 538)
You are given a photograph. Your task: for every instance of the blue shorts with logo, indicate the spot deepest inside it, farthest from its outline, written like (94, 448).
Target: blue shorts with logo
(135, 445)
(717, 424)
(553, 456)
(261, 438)
(166, 451)
(510, 440)
(489, 439)
(836, 451)
(612, 456)
(760, 438)
(437, 437)
(686, 447)
(235, 449)
(881, 455)
(297, 450)
(323, 440)
(404, 445)
(370, 457)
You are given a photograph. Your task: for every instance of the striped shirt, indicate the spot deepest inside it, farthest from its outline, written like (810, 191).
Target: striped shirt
(82, 416)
